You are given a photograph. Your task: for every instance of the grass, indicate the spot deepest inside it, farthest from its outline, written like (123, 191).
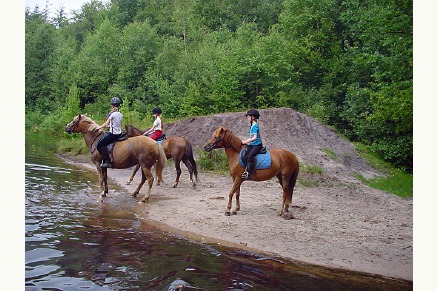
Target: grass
(329, 153)
(73, 146)
(396, 182)
(311, 169)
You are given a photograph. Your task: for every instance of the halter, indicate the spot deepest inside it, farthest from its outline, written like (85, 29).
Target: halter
(91, 149)
(218, 139)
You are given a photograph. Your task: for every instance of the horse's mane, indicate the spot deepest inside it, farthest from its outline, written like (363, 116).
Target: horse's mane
(91, 122)
(233, 140)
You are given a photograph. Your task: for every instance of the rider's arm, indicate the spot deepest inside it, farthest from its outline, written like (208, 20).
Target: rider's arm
(247, 141)
(106, 124)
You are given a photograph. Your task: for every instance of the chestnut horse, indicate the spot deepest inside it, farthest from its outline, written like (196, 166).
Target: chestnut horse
(176, 148)
(140, 150)
(284, 165)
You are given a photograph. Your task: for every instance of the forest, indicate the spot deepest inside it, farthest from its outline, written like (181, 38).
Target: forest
(346, 63)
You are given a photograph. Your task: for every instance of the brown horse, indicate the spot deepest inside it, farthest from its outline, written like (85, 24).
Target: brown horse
(176, 148)
(141, 151)
(284, 165)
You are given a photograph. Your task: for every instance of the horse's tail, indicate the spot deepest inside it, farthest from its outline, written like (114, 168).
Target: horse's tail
(161, 163)
(293, 179)
(189, 155)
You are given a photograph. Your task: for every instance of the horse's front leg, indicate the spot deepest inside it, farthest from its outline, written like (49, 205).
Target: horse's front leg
(235, 189)
(103, 177)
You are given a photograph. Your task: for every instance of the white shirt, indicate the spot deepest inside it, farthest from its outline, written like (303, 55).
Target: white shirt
(116, 122)
(157, 124)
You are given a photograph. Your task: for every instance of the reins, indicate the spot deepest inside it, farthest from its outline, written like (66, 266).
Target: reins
(92, 143)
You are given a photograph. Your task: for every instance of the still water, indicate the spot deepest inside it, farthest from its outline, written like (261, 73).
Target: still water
(73, 242)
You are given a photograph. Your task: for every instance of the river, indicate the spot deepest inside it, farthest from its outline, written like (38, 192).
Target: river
(73, 242)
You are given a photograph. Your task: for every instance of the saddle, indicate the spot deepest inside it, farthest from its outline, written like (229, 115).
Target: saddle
(123, 136)
(262, 159)
(161, 139)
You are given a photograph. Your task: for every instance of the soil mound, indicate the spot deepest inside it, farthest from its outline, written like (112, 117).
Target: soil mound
(314, 144)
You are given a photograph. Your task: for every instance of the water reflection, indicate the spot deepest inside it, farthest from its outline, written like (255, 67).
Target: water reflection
(74, 242)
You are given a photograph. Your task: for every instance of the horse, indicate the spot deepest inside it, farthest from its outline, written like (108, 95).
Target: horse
(284, 166)
(176, 148)
(140, 150)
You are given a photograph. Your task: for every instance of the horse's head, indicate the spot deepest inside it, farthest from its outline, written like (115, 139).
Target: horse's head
(129, 130)
(132, 130)
(80, 123)
(217, 139)
(73, 125)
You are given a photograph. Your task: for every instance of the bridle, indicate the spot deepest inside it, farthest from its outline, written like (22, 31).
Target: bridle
(75, 127)
(216, 141)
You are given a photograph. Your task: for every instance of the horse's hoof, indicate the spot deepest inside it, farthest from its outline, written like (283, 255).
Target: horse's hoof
(287, 216)
(233, 212)
(128, 182)
(174, 185)
(227, 213)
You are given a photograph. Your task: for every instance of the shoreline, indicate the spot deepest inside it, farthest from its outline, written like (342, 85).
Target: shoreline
(319, 235)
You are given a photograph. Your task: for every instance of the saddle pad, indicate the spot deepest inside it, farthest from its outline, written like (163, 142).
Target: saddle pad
(263, 161)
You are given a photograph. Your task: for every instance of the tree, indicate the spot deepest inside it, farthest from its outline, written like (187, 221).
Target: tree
(40, 39)
(95, 69)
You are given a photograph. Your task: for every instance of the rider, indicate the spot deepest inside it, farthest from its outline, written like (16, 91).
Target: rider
(114, 122)
(254, 143)
(157, 128)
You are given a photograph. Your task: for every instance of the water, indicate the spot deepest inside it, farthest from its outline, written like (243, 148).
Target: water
(73, 242)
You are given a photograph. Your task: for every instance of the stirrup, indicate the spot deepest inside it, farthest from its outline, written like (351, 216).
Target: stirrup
(245, 175)
(106, 164)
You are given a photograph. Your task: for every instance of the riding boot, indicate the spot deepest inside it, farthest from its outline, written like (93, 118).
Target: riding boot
(106, 160)
(248, 171)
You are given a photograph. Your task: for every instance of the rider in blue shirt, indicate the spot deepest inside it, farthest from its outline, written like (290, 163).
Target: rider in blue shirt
(254, 143)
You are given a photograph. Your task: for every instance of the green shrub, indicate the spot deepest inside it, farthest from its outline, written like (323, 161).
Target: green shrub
(215, 160)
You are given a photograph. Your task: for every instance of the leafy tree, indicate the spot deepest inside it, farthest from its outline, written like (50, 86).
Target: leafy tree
(95, 69)
(40, 38)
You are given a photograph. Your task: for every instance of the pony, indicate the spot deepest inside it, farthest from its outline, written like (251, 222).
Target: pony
(176, 148)
(140, 150)
(284, 166)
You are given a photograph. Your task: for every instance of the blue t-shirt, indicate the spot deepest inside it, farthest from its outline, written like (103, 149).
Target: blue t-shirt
(255, 130)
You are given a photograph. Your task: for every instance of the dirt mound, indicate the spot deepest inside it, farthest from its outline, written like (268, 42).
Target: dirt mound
(313, 143)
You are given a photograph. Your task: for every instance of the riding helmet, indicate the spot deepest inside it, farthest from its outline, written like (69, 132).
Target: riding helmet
(156, 110)
(254, 113)
(116, 101)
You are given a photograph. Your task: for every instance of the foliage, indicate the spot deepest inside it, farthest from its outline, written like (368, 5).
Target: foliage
(348, 63)
(215, 160)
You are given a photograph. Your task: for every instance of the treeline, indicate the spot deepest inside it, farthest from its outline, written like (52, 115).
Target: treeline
(348, 63)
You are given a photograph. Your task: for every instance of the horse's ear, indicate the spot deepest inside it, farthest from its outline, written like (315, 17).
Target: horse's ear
(79, 117)
(222, 130)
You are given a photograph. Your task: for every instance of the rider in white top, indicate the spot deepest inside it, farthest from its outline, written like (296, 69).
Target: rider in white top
(114, 122)
(156, 130)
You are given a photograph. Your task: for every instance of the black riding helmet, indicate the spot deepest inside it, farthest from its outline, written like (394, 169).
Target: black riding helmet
(156, 110)
(253, 112)
(115, 101)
